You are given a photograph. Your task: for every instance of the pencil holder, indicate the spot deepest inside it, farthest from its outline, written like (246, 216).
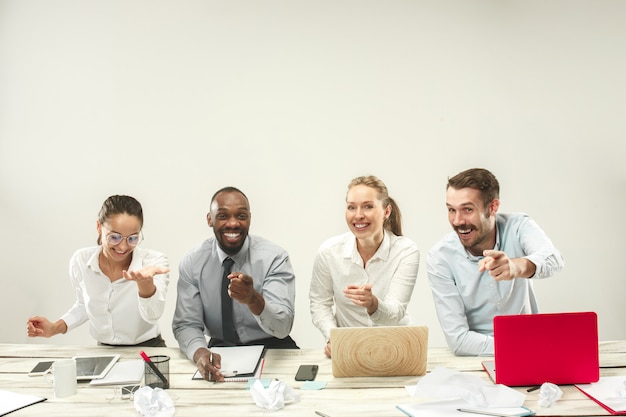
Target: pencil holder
(151, 378)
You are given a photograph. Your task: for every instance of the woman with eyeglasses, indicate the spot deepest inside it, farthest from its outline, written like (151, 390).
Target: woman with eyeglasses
(120, 288)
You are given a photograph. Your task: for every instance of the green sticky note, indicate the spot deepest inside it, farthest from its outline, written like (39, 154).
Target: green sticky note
(313, 385)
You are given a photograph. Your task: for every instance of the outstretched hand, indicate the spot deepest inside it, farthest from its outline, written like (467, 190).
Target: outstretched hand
(241, 288)
(145, 274)
(38, 326)
(499, 265)
(145, 279)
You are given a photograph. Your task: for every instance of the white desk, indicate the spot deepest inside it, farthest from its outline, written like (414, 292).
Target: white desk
(359, 397)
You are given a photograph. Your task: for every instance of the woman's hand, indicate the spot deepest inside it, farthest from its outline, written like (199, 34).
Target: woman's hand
(361, 295)
(144, 279)
(41, 326)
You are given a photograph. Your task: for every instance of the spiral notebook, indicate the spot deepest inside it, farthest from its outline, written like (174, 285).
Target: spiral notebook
(239, 363)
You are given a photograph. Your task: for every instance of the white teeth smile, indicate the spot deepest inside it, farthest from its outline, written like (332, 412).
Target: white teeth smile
(360, 225)
(231, 235)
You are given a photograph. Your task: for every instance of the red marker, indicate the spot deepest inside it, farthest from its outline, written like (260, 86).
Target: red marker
(158, 373)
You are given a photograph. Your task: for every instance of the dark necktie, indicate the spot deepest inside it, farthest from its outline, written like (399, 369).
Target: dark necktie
(228, 327)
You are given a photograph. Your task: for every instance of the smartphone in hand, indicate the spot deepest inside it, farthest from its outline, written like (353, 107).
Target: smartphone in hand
(306, 373)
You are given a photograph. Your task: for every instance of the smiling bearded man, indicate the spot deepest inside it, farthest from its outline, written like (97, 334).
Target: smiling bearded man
(484, 267)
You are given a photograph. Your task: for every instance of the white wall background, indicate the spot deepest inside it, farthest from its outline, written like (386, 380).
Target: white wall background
(288, 100)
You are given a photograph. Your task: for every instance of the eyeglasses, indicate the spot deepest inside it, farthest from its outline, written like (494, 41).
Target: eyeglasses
(116, 238)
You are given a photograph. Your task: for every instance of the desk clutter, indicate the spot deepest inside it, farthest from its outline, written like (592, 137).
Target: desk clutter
(273, 387)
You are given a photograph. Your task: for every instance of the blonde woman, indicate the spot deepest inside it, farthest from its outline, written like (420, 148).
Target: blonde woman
(364, 277)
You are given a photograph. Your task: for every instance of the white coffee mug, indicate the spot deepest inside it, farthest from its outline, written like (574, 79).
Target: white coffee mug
(63, 374)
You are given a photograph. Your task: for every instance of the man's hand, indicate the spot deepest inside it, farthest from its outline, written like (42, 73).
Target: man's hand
(501, 267)
(209, 364)
(241, 288)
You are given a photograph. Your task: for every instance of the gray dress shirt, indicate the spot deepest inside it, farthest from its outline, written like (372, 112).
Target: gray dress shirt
(198, 305)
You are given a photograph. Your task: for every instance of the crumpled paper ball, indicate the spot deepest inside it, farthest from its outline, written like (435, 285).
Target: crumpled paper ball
(274, 397)
(549, 394)
(153, 402)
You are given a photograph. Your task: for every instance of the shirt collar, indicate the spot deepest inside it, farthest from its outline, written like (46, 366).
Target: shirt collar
(94, 261)
(351, 251)
(239, 257)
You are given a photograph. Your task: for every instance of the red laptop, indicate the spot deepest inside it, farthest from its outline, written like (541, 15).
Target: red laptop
(530, 349)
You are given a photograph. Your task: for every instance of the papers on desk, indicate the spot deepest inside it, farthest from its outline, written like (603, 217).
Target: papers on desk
(448, 392)
(11, 401)
(453, 407)
(609, 392)
(122, 373)
(239, 363)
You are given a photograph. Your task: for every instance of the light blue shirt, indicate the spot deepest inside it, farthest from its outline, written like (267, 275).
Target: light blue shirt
(199, 305)
(467, 300)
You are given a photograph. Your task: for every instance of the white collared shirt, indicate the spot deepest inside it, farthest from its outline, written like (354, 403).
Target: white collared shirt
(116, 313)
(392, 271)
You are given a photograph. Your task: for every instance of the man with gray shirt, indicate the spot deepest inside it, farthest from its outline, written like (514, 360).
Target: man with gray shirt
(238, 288)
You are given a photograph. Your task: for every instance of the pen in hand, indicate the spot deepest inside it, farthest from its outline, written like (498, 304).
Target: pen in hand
(156, 370)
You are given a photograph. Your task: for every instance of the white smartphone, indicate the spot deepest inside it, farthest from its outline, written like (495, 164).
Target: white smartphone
(41, 368)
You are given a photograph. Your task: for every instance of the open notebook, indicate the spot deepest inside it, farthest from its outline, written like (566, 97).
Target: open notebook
(530, 349)
(239, 363)
(379, 351)
(609, 392)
